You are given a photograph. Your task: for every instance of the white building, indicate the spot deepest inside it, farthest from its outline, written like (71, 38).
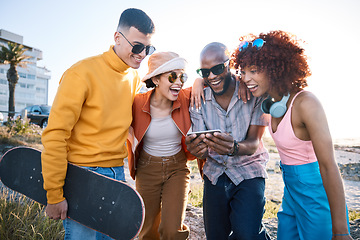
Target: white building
(32, 87)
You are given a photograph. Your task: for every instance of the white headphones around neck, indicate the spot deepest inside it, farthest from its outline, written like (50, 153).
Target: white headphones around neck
(276, 109)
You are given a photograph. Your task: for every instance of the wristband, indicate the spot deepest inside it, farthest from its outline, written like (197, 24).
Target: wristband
(340, 234)
(235, 151)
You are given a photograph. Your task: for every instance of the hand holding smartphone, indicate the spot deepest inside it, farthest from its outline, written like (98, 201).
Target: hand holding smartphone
(203, 132)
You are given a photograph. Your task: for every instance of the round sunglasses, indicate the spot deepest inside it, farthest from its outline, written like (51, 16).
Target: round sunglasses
(217, 70)
(139, 47)
(172, 77)
(258, 43)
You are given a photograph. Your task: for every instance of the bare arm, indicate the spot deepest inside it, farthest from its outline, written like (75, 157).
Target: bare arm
(313, 117)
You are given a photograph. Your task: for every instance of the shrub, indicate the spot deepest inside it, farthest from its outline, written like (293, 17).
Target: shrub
(20, 132)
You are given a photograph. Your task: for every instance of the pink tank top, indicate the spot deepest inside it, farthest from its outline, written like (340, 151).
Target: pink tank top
(292, 150)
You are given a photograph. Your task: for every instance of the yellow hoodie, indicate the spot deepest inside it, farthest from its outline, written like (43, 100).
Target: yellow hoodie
(89, 119)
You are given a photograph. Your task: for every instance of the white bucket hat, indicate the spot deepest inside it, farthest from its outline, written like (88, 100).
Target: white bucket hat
(162, 62)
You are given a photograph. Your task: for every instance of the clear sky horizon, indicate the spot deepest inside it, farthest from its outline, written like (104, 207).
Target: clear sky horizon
(68, 31)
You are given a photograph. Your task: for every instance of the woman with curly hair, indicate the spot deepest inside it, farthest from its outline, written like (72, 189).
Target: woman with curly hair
(313, 205)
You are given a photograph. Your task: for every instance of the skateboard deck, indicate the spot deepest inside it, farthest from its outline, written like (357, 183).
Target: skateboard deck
(106, 205)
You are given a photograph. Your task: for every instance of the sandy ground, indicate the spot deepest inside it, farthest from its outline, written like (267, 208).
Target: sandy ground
(274, 191)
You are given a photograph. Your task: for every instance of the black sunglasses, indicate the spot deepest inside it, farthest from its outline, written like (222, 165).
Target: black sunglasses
(217, 70)
(172, 77)
(139, 47)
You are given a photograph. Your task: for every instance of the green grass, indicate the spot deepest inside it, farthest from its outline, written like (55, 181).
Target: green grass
(23, 218)
(196, 195)
(354, 214)
(193, 167)
(271, 209)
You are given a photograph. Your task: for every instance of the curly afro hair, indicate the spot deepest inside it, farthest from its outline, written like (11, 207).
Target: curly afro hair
(281, 57)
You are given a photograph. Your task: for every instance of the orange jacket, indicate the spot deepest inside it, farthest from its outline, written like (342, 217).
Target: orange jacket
(142, 118)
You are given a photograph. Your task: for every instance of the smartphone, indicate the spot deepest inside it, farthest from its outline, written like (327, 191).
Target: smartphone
(203, 132)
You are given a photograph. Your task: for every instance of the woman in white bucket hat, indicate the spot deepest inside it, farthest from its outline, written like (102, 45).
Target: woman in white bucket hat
(156, 146)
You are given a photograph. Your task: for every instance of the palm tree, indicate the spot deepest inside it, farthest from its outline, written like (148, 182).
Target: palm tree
(13, 54)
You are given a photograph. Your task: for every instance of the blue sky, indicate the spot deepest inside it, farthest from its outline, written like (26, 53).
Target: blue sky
(68, 31)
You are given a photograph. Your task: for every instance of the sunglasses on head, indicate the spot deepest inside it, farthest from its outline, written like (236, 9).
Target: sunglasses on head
(258, 43)
(217, 70)
(172, 77)
(139, 47)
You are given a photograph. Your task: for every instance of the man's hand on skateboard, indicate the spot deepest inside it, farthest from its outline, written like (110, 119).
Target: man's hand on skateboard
(57, 211)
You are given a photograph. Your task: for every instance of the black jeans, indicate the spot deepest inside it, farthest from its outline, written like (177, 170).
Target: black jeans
(234, 212)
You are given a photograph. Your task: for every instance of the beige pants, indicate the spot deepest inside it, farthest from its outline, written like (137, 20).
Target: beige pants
(163, 183)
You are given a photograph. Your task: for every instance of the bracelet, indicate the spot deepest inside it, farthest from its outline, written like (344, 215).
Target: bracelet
(341, 234)
(235, 151)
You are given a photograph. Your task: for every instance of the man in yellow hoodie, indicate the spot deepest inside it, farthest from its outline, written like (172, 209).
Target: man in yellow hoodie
(91, 114)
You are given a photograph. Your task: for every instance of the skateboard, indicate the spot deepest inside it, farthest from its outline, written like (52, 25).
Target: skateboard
(106, 205)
